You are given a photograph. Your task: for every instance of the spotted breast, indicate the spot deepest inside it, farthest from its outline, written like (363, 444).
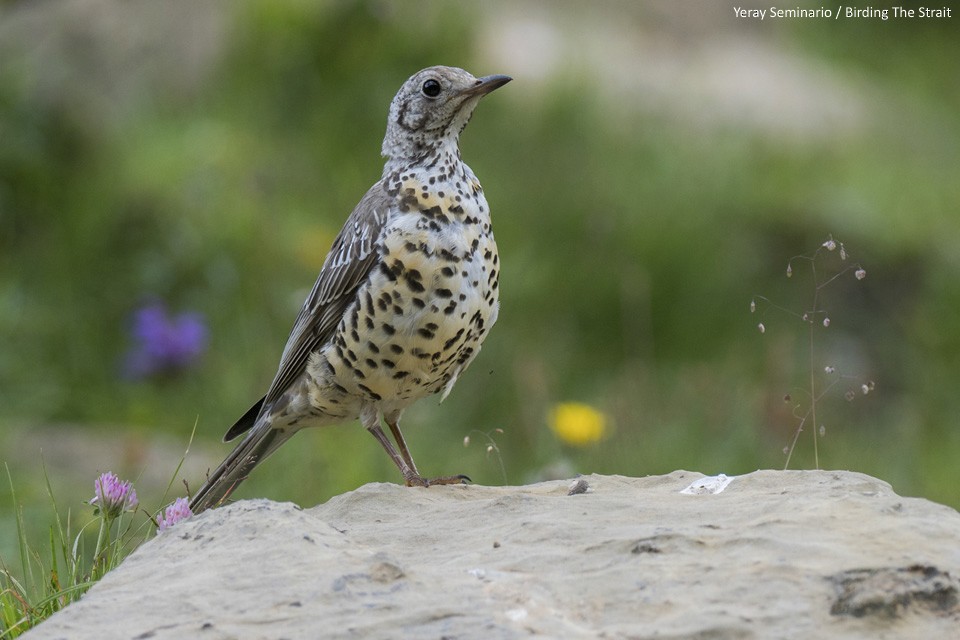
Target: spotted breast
(421, 315)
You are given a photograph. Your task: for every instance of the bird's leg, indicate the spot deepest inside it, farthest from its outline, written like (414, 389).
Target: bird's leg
(410, 475)
(393, 421)
(370, 418)
(403, 459)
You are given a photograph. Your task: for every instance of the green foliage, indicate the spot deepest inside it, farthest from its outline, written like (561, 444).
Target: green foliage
(49, 580)
(631, 244)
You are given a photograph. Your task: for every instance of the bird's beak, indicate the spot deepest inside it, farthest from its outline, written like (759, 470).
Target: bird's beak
(485, 85)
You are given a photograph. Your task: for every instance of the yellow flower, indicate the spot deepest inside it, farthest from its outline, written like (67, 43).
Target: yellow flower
(577, 424)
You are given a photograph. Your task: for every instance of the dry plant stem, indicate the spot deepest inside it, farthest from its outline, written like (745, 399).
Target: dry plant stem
(814, 315)
(813, 403)
(813, 380)
(804, 419)
(793, 445)
(493, 448)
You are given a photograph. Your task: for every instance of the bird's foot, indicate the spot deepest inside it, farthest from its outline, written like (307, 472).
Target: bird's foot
(420, 481)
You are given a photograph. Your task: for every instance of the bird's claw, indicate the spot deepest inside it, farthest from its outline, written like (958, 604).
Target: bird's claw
(420, 481)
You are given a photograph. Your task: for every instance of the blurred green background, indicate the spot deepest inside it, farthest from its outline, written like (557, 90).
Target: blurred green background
(653, 166)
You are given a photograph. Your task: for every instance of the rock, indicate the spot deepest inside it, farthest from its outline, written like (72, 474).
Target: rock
(771, 554)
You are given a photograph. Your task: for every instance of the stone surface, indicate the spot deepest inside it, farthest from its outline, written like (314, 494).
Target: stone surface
(774, 554)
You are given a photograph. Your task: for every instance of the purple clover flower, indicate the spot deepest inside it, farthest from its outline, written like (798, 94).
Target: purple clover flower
(164, 343)
(112, 496)
(174, 513)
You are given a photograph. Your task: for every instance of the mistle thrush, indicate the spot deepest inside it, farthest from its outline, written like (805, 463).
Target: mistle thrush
(405, 296)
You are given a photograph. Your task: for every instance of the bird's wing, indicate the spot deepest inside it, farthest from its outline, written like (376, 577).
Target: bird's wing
(353, 254)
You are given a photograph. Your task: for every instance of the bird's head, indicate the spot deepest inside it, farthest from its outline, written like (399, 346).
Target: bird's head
(432, 108)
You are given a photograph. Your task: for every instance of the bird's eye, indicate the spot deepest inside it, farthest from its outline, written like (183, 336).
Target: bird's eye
(431, 88)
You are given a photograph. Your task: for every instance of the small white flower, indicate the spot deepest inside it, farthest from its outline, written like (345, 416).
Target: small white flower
(761, 327)
(830, 244)
(861, 273)
(829, 369)
(753, 306)
(826, 322)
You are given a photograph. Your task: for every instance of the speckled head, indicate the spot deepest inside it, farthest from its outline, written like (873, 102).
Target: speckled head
(433, 106)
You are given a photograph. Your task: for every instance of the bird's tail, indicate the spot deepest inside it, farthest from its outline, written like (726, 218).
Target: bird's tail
(260, 442)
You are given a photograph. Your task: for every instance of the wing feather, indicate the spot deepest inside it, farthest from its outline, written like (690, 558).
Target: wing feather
(352, 256)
